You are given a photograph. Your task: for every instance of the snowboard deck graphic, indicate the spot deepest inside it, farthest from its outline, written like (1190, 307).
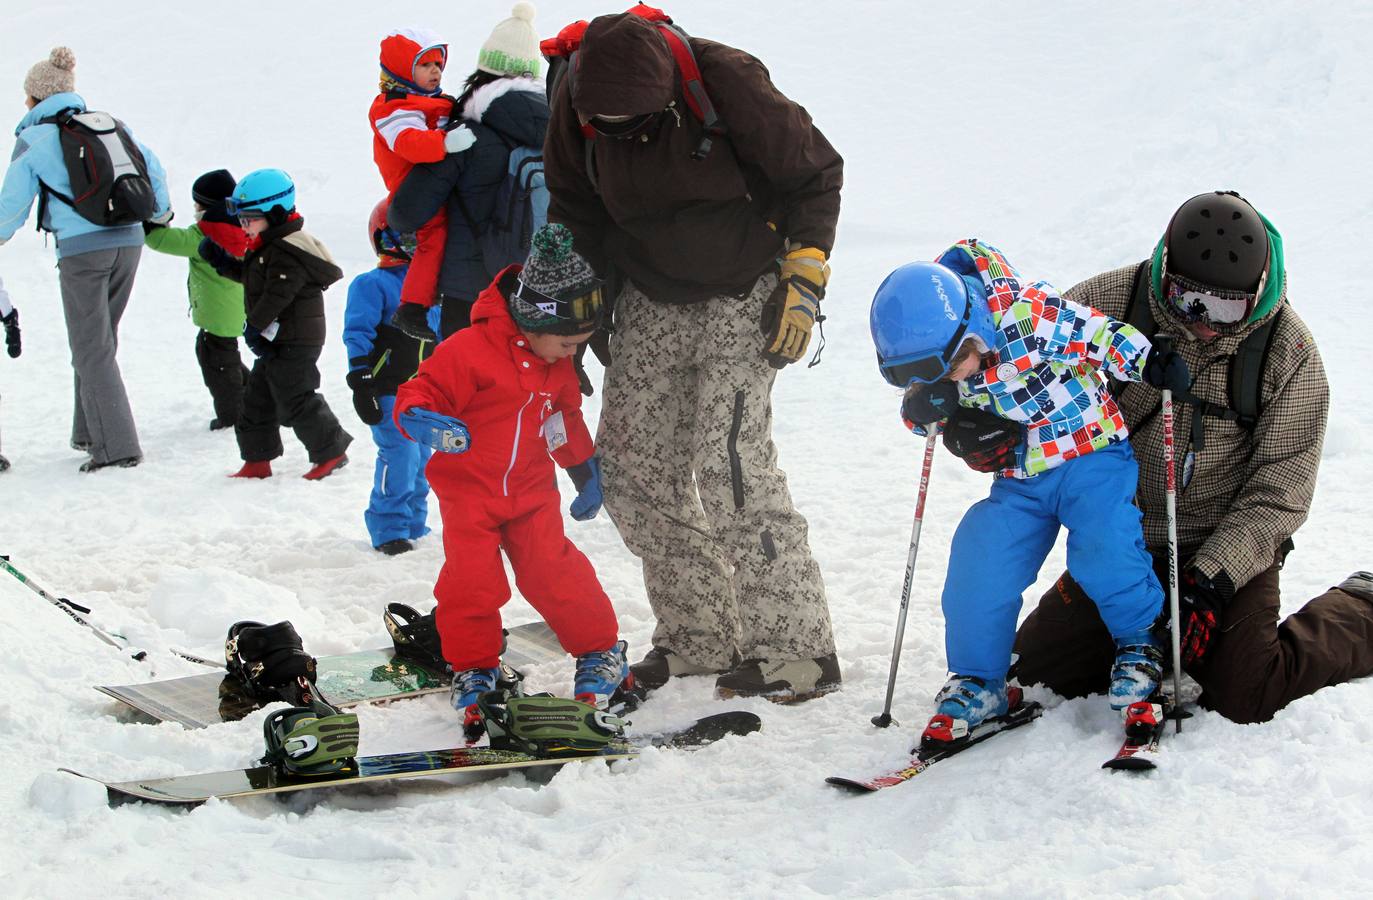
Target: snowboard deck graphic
(368, 676)
(190, 790)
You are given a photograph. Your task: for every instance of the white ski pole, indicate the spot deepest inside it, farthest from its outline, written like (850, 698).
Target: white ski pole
(1164, 343)
(885, 719)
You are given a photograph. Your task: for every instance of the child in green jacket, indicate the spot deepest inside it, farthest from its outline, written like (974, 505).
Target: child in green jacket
(216, 301)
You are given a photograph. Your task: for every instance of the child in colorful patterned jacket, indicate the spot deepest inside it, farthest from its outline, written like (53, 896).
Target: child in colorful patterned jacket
(509, 378)
(968, 333)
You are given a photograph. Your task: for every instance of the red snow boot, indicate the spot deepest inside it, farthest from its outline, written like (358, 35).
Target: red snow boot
(261, 468)
(326, 468)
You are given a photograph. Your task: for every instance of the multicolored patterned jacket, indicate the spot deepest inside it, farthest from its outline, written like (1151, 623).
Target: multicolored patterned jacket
(1045, 371)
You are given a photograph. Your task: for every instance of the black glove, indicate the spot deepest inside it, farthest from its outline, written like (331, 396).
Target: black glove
(12, 345)
(986, 442)
(929, 403)
(212, 253)
(413, 319)
(583, 380)
(261, 347)
(364, 389)
(1200, 602)
(1165, 369)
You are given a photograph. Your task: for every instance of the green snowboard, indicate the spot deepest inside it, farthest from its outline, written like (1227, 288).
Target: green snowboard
(368, 676)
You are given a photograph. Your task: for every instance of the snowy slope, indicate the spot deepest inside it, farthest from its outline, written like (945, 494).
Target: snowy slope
(1066, 133)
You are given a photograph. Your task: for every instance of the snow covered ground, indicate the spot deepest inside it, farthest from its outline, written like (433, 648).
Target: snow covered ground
(1065, 133)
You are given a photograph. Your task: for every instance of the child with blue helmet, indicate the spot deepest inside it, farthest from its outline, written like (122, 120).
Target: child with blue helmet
(967, 336)
(381, 357)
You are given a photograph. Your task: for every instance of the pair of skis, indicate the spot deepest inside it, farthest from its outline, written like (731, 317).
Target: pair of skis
(1144, 724)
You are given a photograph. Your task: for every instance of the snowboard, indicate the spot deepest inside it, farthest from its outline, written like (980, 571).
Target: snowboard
(368, 676)
(191, 790)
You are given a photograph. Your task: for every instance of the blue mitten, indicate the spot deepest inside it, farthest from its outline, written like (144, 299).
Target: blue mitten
(587, 477)
(442, 433)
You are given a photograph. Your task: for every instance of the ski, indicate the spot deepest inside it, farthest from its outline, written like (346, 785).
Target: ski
(192, 790)
(1144, 724)
(1023, 714)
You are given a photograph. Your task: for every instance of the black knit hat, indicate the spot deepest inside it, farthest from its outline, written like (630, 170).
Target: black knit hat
(210, 189)
(558, 291)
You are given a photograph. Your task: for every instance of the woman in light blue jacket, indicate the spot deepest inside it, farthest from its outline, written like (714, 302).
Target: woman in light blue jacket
(96, 263)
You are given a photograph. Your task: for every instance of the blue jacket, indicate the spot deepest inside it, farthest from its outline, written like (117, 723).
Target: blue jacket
(38, 156)
(392, 355)
(504, 114)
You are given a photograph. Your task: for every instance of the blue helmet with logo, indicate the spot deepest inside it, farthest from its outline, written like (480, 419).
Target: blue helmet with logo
(263, 192)
(921, 315)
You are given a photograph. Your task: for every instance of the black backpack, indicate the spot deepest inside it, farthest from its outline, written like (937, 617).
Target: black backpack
(1246, 365)
(109, 176)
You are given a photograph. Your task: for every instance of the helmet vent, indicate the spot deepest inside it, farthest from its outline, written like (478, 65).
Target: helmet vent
(1206, 213)
(1248, 239)
(1234, 257)
(1206, 254)
(1192, 235)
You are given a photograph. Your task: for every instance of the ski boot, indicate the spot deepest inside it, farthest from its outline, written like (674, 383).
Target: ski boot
(1138, 669)
(603, 677)
(781, 680)
(311, 740)
(468, 686)
(963, 705)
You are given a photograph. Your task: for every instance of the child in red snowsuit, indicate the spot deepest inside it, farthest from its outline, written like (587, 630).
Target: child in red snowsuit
(409, 118)
(498, 400)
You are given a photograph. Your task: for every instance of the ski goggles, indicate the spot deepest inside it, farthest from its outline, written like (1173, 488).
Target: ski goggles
(254, 209)
(534, 305)
(929, 366)
(1195, 303)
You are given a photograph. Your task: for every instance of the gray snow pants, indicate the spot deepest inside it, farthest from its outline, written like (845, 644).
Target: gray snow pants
(691, 481)
(95, 289)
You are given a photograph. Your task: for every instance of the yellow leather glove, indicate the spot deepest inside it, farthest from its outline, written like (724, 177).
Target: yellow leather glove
(794, 307)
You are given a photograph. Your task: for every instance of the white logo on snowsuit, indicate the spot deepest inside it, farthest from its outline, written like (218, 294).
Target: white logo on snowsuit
(1005, 372)
(550, 308)
(948, 306)
(453, 441)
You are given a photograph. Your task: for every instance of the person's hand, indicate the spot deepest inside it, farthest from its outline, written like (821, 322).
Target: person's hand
(212, 253)
(442, 433)
(257, 342)
(459, 139)
(587, 477)
(986, 442)
(1165, 369)
(794, 307)
(925, 404)
(13, 346)
(1200, 603)
(364, 389)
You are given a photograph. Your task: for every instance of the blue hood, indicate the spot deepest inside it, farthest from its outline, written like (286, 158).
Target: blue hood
(51, 107)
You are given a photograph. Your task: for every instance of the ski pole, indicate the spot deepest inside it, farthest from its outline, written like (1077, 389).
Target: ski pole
(1165, 345)
(74, 610)
(885, 719)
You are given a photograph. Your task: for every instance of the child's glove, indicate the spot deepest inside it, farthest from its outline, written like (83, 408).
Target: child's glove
(925, 404)
(259, 343)
(443, 433)
(459, 139)
(1200, 602)
(587, 477)
(12, 344)
(794, 307)
(1165, 369)
(413, 319)
(364, 389)
(986, 442)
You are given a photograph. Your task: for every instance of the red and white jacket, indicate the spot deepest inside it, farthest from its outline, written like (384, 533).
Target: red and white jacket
(407, 127)
(519, 410)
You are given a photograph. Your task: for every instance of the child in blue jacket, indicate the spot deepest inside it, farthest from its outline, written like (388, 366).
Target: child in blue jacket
(380, 358)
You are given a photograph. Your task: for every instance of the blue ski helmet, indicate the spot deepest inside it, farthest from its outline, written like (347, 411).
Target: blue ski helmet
(264, 192)
(921, 315)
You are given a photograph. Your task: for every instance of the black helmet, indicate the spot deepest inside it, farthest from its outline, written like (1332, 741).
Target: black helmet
(1217, 239)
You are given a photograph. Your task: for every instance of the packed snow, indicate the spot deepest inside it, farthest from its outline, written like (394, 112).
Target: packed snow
(1065, 133)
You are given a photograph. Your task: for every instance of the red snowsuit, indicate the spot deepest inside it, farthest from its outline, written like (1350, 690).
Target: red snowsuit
(503, 493)
(408, 128)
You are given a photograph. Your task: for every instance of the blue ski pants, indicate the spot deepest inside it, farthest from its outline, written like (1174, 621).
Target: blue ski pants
(1003, 540)
(400, 493)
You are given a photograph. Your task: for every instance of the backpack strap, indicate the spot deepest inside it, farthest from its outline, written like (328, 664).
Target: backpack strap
(693, 88)
(1246, 372)
(45, 192)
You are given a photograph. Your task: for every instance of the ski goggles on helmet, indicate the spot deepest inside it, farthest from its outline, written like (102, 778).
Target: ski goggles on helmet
(254, 209)
(929, 366)
(1193, 302)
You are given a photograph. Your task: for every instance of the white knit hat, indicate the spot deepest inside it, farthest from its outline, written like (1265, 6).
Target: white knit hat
(513, 47)
(54, 75)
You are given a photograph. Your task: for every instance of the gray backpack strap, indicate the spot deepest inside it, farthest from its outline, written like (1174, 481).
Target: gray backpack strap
(1246, 372)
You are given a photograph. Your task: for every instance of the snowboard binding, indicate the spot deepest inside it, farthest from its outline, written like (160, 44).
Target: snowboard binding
(311, 740)
(546, 726)
(271, 662)
(415, 636)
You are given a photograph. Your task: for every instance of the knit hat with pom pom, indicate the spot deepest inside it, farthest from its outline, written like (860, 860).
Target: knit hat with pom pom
(54, 75)
(513, 47)
(559, 292)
